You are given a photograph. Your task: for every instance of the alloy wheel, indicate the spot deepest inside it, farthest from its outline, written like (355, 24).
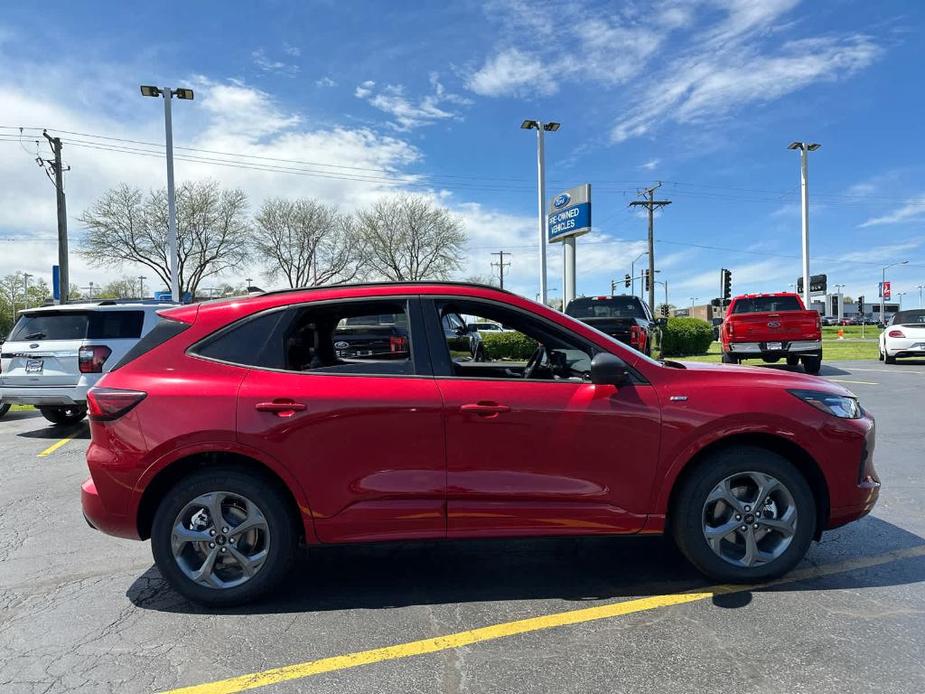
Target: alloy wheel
(220, 540)
(749, 519)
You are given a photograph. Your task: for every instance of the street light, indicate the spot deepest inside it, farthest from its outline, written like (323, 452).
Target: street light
(920, 288)
(633, 271)
(901, 295)
(805, 147)
(693, 301)
(883, 281)
(541, 128)
(25, 288)
(168, 94)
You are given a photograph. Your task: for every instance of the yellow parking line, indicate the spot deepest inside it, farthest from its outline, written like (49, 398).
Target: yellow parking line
(289, 673)
(845, 380)
(55, 446)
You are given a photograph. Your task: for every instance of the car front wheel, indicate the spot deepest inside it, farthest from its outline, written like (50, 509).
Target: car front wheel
(223, 537)
(746, 515)
(812, 364)
(64, 415)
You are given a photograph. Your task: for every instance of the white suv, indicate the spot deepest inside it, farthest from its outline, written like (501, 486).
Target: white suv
(54, 354)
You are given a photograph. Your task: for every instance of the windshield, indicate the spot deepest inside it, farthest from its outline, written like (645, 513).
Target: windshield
(910, 317)
(766, 304)
(609, 307)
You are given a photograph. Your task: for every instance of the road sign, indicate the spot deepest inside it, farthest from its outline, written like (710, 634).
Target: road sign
(817, 284)
(569, 213)
(56, 282)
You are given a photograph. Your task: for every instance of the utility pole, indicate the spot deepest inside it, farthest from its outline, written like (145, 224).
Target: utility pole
(613, 287)
(501, 265)
(25, 289)
(141, 286)
(56, 165)
(651, 204)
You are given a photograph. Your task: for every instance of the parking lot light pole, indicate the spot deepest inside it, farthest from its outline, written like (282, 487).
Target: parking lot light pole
(541, 128)
(805, 148)
(168, 94)
(883, 281)
(920, 288)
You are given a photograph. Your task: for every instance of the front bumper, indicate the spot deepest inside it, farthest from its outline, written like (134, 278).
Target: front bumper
(45, 396)
(103, 519)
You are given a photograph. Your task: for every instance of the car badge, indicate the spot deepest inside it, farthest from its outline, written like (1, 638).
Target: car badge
(774, 324)
(340, 344)
(33, 345)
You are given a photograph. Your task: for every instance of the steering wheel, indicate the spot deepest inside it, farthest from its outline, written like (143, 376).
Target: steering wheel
(536, 359)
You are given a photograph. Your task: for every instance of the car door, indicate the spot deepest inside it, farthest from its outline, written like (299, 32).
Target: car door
(542, 456)
(363, 436)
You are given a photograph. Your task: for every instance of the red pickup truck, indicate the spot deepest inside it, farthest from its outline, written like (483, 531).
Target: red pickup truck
(772, 327)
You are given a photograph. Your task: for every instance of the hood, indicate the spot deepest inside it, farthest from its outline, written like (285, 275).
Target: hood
(763, 376)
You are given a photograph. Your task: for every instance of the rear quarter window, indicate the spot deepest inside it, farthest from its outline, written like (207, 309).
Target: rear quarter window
(115, 325)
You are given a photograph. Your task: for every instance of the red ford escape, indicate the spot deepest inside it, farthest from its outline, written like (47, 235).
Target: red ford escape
(237, 430)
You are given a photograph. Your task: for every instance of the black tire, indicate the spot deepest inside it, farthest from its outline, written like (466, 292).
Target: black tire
(64, 415)
(282, 527)
(880, 355)
(687, 515)
(770, 360)
(729, 359)
(793, 361)
(888, 359)
(480, 353)
(4, 409)
(811, 365)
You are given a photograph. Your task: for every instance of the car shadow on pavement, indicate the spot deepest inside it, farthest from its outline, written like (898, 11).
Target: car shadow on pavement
(80, 430)
(383, 576)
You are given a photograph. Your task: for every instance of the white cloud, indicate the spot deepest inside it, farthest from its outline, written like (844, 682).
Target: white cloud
(912, 211)
(512, 72)
(325, 82)
(265, 64)
(650, 165)
(294, 51)
(408, 112)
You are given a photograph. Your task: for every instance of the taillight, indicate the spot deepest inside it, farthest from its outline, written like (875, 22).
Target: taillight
(107, 404)
(90, 359)
(729, 328)
(398, 343)
(896, 333)
(637, 337)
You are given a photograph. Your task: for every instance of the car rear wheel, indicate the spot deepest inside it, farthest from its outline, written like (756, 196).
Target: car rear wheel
(729, 359)
(746, 515)
(793, 361)
(4, 409)
(812, 364)
(888, 359)
(223, 537)
(64, 415)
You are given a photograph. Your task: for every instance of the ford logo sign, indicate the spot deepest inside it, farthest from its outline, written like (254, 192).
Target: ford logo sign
(33, 345)
(561, 200)
(340, 344)
(774, 324)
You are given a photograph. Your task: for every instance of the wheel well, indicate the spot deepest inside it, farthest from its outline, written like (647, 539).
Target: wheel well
(179, 469)
(802, 460)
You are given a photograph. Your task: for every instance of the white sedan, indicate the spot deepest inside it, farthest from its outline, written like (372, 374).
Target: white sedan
(904, 336)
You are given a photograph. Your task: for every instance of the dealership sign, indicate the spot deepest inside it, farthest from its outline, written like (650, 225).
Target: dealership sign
(569, 213)
(885, 292)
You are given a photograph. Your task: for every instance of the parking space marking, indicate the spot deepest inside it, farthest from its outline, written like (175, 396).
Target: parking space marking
(845, 380)
(887, 371)
(55, 446)
(493, 632)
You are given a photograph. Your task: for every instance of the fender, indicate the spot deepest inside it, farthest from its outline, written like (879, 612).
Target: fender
(177, 454)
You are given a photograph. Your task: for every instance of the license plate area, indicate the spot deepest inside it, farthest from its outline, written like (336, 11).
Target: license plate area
(774, 346)
(34, 366)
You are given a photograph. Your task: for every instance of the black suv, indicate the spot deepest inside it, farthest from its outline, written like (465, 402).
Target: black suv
(627, 318)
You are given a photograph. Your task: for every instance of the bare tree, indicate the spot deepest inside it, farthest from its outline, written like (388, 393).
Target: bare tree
(408, 237)
(124, 226)
(306, 242)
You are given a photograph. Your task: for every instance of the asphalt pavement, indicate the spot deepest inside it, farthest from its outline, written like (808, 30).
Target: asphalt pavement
(81, 611)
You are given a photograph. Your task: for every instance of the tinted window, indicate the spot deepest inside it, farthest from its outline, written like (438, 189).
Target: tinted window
(610, 307)
(909, 318)
(115, 325)
(766, 304)
(162, 331)
(349, 337)
(51, 325)
(251, 342)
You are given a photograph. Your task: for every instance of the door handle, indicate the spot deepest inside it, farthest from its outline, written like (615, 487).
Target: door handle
(484, 409)
(283, 408)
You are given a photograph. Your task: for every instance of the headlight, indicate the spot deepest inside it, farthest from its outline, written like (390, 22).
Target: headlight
(842, 406)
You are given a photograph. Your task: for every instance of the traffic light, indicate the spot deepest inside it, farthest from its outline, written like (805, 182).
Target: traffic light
(647, 280)
(664, 310)
(627, 280)
(860, 304)
(726, 280)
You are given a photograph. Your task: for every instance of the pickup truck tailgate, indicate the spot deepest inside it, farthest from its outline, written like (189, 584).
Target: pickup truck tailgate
(764, 327)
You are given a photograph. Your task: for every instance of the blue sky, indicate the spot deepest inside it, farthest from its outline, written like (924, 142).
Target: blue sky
(703, 95)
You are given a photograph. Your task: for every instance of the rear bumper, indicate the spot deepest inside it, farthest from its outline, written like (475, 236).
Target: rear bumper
(801, 347)
(905, 348)
(103, 519)
(45, 396)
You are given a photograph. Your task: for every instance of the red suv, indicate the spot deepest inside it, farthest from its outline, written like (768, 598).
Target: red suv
(237, 430)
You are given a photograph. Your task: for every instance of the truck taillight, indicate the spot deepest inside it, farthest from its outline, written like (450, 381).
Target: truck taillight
(896, 333)
(637, 337)
(107, 404)
(398, 343)
(90, 359)
(728, 325)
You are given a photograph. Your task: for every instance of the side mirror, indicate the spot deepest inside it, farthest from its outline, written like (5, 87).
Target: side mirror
(607, 369)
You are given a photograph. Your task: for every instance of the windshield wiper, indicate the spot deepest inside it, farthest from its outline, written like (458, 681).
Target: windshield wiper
(34, 336)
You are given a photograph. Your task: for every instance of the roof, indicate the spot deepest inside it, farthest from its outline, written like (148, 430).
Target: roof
(407, 283)
(107, 304)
